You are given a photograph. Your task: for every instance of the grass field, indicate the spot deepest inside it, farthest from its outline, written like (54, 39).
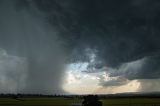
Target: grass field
(35, 102)
(132, 102)
(69, 101)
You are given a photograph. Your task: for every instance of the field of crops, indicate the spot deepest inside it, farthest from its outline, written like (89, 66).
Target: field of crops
(69, 101)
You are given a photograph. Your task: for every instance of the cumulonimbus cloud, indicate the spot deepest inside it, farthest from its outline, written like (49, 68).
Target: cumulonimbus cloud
(118, 32)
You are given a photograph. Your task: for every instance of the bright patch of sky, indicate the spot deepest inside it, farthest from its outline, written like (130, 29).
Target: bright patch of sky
(98, 82)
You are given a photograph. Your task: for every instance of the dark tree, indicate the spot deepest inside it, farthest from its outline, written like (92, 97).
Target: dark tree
(91, 100)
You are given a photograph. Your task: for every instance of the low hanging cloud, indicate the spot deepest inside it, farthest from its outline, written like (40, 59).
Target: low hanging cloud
(116, 81)
(145, 71)
(145, 68)
(123, 35)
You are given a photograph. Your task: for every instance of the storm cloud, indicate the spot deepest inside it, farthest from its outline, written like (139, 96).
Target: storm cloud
(117, 32)
(123, 35)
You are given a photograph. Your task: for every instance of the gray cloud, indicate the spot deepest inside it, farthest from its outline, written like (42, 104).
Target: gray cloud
(121, 31)
(145, 68)
(24, 34)
(117, 81)
(118, 32)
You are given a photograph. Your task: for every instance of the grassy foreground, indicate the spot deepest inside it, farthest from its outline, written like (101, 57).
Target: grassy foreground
(69, 101)
(132, 102)
(35, 102)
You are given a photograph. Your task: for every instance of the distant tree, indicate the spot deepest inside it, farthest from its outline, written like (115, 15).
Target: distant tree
(91, 100)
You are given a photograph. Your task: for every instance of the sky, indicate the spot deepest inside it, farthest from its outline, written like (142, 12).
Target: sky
(79, 46)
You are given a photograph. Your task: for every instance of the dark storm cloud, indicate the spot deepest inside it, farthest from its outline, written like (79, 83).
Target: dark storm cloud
(147, 68)
(119, 31)
(116, 31)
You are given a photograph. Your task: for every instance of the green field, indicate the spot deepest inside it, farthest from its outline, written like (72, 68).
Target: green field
(68, 101)
(35, 102)
(132, 102)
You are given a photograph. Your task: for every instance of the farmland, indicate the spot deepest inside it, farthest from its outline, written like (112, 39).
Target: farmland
(61, 101)
(131, 102)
